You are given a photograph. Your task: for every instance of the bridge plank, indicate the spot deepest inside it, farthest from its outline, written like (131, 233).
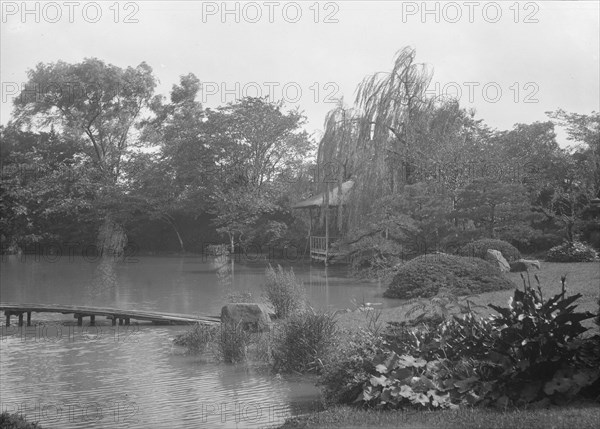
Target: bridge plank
(113, 313)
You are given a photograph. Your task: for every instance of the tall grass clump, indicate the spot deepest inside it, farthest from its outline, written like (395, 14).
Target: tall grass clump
(233, 342)
(227, 342)
(198, 338)
(303, 341)
(284, 291)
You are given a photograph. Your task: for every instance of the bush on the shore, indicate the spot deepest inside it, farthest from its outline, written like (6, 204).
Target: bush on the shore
(479, 248)
(531, 352)
(303, 341)
(16, 421)
(572, 252)
(423, 276)
(284, 291)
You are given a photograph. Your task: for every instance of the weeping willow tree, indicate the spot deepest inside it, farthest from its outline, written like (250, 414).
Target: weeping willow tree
(405, 152)
(376, 143)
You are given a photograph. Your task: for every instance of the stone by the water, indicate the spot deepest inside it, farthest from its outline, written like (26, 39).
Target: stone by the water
(251, 316)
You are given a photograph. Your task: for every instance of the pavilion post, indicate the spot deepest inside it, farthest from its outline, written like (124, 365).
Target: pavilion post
(326, 234)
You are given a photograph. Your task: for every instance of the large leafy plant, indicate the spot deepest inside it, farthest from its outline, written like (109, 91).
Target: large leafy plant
(539, 347)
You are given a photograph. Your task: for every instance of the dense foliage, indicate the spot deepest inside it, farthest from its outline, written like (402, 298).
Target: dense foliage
(572, 252)
(479, 248)
(16, 421)
(531, 352)
(424, 276)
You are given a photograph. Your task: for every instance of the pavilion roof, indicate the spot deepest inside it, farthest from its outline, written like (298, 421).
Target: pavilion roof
(335, 197)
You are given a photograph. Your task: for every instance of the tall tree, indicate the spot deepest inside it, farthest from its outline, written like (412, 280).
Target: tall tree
(99, 104)
(259, 147)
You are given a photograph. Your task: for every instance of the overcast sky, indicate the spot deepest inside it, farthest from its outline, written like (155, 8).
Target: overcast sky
(511, 61)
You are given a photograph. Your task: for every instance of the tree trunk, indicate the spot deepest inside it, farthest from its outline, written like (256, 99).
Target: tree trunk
(570, 224)
(492, 221)
(174, 226)
(180, 239)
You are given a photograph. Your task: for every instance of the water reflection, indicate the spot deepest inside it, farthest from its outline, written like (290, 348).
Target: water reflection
(103, 285)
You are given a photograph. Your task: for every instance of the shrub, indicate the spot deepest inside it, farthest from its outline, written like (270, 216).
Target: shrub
(16, 421)
(373, 256)
(217, 249)
(590, 232)
(284, 291)
(572, 252)
(440, 307)
(303, 341)
(479, 249)
(423, 276)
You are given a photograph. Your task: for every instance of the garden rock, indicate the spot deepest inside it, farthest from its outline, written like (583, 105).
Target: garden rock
(523, 265)
(250, 316)
(496, 258)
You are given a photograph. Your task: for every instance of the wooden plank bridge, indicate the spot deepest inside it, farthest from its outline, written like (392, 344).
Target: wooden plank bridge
(123, 316)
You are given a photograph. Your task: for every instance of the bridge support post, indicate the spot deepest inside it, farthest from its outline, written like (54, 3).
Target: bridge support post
(29, 318)
(114, 320)
(92, 320)
(79, 319)
(127, 320)
(120, 321)
(7, 313)
(20, 319)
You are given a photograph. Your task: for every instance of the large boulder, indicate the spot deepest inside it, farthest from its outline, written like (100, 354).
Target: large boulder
(496, 258)
(250, 316)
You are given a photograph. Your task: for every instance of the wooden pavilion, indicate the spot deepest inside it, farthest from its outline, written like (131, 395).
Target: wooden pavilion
(320, 239)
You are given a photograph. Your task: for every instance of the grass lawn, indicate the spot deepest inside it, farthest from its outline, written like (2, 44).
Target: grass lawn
(580, 417)
(582, 278)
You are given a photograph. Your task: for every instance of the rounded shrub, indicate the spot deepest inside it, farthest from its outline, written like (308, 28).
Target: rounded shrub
(479, 248)
(423, 276)
(572, 252)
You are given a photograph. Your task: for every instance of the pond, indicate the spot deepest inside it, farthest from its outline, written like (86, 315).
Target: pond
(67, 376)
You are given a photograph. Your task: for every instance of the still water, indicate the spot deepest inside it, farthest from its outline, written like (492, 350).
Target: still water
(66, 376)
